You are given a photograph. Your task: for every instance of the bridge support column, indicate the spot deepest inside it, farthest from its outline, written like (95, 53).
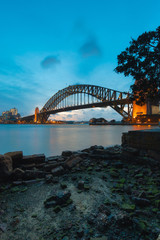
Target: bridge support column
(36, 115)
(42, 118)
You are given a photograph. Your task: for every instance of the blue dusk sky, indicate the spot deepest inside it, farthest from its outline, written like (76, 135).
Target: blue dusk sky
(46, 45)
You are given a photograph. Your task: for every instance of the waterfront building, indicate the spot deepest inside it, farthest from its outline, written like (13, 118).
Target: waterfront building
(14, 111)
(12, 115)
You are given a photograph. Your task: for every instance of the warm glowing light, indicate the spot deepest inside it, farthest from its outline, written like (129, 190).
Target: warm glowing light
(139, 110)
(36, 114)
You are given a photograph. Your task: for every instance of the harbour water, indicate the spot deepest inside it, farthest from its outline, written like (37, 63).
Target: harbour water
(53, 139)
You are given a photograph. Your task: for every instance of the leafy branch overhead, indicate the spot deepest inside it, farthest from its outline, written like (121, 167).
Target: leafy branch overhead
(141, 60)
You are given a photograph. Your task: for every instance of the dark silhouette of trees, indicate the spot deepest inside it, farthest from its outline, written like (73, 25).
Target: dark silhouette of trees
(141, 60)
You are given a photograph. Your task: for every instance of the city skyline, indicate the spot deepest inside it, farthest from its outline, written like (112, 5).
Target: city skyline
(47, 46)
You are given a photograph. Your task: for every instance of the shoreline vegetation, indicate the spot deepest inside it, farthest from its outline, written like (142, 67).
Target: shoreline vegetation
(97, 193)
(86, 123)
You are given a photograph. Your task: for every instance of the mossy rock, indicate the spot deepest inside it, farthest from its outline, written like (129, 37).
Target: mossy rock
(157, 203)
(63, 185)
(122, 180)
(65, 238)
(155, 191)
(107, 202)
(57, 209)
(119, 185)
(89, 168)
(114, 174)
(79, 191)
(128, 207)
(155, 210)
(115, 203)
(142, 226)
(86, 187)
(18, 189)
(113, 169)
(139, 175)
(68, 202)
(113, 190)
(105, 165)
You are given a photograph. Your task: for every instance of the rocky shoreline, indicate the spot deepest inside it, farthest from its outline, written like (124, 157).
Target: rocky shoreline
(96, 193)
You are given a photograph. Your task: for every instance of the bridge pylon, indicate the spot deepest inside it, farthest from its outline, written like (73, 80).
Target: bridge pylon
(36, 115)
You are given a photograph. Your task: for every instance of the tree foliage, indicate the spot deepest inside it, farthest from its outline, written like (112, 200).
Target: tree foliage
(141, 60)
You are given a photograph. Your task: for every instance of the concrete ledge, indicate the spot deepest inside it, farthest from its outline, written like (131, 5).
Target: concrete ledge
(143, 139)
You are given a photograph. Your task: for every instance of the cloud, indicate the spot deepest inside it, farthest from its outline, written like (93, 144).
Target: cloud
(50, 61)
(26, 87)
(86, 114)
(90, 48)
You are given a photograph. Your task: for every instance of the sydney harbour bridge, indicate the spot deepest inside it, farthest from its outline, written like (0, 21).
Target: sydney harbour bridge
(77, 97)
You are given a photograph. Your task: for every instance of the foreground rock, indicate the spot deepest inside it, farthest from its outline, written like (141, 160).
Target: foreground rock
(5, 166)
(97, 193)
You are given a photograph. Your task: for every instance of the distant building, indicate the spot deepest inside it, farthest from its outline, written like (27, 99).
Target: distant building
(14, 111)
(11, 115)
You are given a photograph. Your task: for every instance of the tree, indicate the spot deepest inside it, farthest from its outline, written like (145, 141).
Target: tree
(141, 60)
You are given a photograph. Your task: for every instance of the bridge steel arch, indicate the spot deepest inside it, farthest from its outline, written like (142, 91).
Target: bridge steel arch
(119, 101)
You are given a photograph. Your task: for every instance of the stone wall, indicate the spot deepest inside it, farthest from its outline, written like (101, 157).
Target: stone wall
(146, 139)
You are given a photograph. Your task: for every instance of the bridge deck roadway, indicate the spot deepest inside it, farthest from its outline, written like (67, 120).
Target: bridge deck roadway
(85, 106)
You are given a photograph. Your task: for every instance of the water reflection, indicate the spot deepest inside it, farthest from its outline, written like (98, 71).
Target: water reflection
(53, 139)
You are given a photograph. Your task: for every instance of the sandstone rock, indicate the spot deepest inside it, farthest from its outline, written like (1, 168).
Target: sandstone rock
(5, 166)
(16, 157)
(36, 158)
(122, 219)
(32, 174)
(49, 167)
(96, 147)
(49, 178)
(28, 166)
(146, 160)
(81, 154)
(100, 238)
(118, 164)
(57, 171)
(3, 227)
(102, 222)
(49, 204)
(63, 185)
(32, 181)
(17, 183)
(104, 209)
(66, 153)
(129, 153)
(158, 237)
(80, 233)
(142, 202)
(58, 198)
(99, 151)
(91, 219)
(18, 174)
(52, 158)
(154, 154)
(57, 209)
(40, 166)
(80, 185)
(73, 161)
